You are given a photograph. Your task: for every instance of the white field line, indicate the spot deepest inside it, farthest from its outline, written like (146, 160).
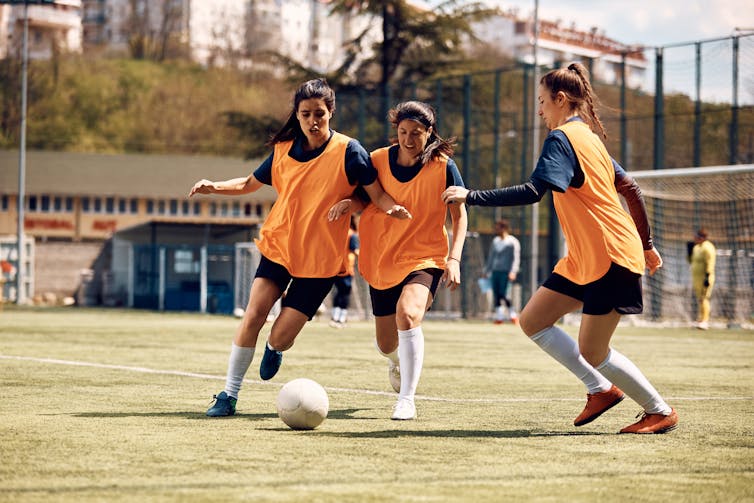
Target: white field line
(179, 373)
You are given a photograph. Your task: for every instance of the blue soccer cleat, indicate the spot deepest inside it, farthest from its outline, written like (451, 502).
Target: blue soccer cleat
(224, 405)
(270, 363)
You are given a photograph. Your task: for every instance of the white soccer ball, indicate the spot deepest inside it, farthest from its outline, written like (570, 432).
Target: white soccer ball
(302, 404)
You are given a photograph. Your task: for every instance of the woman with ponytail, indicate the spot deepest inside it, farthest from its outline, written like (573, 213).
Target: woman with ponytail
(311, 167)
(608, 251)
(405, 261)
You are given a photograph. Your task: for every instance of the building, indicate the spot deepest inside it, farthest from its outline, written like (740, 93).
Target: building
(52, 28)
(558, 43)
(103, 225)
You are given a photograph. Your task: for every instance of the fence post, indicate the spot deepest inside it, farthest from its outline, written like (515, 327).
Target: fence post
(659, 143)
(733, 156)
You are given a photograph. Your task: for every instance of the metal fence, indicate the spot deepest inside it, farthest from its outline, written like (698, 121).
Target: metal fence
(695, 108)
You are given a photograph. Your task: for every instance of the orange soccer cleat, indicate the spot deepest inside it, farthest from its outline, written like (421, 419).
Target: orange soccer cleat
(597, 404)
(653, 423)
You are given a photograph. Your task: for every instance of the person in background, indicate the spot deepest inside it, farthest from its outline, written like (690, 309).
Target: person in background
(702, 255)
(501, 267)
(404, 262)
(344, 284)
(608, 251)
(311, 167)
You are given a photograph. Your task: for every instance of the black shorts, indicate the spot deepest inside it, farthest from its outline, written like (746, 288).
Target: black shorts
(618, 289)
(384, 302)
(303, 294)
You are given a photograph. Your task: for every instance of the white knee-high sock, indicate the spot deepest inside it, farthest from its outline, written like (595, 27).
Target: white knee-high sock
(238, 364)
(629, 378)
(393, 357)
(411, 354)
(561, 346)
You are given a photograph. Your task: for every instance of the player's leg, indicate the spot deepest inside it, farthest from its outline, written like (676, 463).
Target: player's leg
(263, 295)
(386, 333)
(413, 303)
(299, 305)
(538, 320)
(619, 292)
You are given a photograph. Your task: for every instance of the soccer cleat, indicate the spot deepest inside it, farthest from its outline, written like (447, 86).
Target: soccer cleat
(653, 423)
(703, 325)
(394, 374)
(404, 410)
(270, 363)
(224, 405)
(598, 403)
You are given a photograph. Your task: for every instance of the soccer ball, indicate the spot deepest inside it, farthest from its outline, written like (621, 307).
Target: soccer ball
(302, 404)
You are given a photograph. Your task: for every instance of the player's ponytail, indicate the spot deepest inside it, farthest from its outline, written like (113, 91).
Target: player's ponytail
(573, 81)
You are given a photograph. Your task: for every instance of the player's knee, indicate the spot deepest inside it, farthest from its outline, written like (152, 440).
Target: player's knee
(529, 325)
(408, 317)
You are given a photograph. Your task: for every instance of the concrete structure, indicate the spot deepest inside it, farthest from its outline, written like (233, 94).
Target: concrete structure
(52, 28)
(81, 207)
(558, 43)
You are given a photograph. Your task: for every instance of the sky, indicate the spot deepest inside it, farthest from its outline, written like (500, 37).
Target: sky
(646, 22)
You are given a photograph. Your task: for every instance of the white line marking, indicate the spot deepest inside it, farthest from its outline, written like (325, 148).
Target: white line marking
(180, 373)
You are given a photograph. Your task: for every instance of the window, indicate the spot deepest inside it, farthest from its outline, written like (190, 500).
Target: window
(236, 209)
(161, 207)
(4, 202)
(44, 203)
(184, 207)
(259, 210)
(109, 205)
(85, 204)
(122, 205)
(173, 207)
(213, 209)
(197, 208)
(32, 203)
(183, 262)
(150, 206)
(134, 206)
(57, 203)
(69, 204)
(97, 205)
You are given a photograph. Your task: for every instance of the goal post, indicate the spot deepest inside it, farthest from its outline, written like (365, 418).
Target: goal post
(719, 199)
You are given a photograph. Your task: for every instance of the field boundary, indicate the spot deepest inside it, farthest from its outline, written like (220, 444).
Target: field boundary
(180, 373)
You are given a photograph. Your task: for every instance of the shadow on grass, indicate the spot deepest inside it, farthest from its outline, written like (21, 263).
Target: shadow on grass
(184, 415)
(333, 415)
(461, 434)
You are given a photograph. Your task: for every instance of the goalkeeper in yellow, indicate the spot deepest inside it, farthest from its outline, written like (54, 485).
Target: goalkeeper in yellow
(702, 260)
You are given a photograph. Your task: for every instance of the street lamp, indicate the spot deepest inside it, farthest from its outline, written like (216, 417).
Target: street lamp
(22, 146)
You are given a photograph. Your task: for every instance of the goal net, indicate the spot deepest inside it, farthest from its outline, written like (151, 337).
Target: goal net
(680, 201)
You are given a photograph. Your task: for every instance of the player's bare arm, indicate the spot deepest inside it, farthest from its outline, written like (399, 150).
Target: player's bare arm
(232, 187)
(386, 203)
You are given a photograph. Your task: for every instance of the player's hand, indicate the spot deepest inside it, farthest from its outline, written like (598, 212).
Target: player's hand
(451, 278)
(653, 260)
(399, 212)
(339, 209)
(455, 194)
(202, 187)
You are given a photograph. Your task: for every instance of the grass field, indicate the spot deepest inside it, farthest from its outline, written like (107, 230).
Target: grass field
(108, 405)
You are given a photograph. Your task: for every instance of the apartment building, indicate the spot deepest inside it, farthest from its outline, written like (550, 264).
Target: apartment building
(52, 28)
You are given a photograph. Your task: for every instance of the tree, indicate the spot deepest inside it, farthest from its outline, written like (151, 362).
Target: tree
(416, 43)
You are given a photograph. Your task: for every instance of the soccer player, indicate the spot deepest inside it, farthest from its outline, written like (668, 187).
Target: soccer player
(403, 261)
(344, 284)
(311, 167)
(702, 257)
(503, 259)
(608, 250)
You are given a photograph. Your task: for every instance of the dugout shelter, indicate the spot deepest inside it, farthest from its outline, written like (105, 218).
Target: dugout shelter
(89, 214)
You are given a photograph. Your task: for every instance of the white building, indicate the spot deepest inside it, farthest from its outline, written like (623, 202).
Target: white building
(562, 44)
(52, 28)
